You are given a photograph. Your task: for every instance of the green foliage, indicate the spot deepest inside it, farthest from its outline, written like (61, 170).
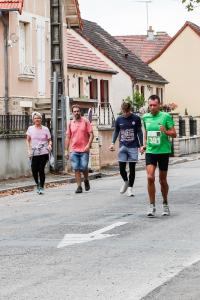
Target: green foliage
(138, 100)
(191, 4)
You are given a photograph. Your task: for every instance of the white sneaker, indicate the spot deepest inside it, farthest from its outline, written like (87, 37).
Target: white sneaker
(152, 211)
(166, 211)
(124, 187)
(129, 192)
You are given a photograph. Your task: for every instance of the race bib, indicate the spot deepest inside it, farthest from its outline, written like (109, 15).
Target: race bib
(153, 137)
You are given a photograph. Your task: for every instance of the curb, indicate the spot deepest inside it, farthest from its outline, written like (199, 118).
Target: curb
(96, 175)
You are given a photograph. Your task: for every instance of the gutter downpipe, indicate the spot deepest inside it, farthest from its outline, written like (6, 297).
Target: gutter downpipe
(6, 91)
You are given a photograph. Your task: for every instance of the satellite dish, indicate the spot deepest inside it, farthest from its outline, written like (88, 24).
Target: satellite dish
(14, 38)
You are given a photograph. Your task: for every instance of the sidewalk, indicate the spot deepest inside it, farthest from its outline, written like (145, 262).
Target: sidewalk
(12, 186)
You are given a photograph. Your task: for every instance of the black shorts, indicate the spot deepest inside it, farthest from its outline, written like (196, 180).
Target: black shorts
(161, 159)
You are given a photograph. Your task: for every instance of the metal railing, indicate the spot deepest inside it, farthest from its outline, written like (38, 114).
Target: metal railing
(105, 114)
(17, 124)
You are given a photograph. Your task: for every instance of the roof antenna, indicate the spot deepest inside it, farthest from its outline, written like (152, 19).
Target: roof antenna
(147, 9)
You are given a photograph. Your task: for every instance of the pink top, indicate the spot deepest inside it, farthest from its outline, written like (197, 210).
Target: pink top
(79, 133)
(39, 139)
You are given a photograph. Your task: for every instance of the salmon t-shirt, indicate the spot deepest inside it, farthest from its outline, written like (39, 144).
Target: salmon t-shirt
(78, 132)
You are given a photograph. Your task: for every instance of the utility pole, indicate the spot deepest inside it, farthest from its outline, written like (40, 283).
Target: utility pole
(147, 2)
(57, 84)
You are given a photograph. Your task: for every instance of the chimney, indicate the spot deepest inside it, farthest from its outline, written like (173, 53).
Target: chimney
(161, 33)
(150, 34)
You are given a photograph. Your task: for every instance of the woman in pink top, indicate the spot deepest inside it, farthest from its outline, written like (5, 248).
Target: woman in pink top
(39, 144)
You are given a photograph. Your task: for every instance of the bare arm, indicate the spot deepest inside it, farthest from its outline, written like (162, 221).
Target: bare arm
(170, 132)
(28, 143)
(88, 146)
(143, 148)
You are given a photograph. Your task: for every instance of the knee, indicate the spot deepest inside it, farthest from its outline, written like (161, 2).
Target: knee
(163, 181)
(151, 179)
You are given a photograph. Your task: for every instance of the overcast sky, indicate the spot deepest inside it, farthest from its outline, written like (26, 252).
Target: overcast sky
(123, 17)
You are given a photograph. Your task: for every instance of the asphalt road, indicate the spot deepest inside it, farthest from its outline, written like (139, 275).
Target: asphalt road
(137, 258)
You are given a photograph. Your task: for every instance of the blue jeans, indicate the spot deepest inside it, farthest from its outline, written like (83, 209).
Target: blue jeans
(79, 160)
(127, 154)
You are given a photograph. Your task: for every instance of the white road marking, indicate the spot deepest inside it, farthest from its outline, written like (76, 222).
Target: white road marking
(71, 239)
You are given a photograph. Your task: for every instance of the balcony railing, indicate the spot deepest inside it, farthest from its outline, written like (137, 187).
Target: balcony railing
(105, 114)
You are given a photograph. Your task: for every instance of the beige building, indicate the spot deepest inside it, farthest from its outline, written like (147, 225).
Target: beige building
(28, 52)
(179, 63)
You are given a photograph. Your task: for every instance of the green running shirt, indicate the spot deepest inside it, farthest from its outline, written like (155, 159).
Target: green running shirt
(157, 141)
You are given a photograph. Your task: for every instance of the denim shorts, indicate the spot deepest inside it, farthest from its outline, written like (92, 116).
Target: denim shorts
(79, 160)
(126, 154)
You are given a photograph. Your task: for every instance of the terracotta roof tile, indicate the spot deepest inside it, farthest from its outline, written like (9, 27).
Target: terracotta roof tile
(81, 57)
(142, 46)
(11, 5)
(193, 26)
(119, 54)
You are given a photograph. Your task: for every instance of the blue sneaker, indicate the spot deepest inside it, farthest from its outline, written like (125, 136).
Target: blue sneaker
(38, 189)
(41, 191)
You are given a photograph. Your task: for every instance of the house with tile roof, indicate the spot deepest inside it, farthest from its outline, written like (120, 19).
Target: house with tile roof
(25, 71)
(11, 5)
(145, 46)
(132, 73)
(89, 75)
(179, 63)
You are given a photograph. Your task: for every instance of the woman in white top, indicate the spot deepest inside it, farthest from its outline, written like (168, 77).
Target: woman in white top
(39, 144)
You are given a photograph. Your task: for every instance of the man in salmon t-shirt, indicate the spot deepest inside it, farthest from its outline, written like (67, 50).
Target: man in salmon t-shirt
(78, 142)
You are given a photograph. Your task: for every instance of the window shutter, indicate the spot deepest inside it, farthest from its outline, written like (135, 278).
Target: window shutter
(41, 57)
(22, 44)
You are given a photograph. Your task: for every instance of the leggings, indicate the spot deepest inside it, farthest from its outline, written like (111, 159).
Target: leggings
(37, 166)
(123, 173)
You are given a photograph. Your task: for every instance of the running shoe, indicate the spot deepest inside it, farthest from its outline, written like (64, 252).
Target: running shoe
(129, 192)
(152, 211)
(87, 185)
(79, 190)
(38, 189)
(124, 187)
(166, 211)
(41, 191)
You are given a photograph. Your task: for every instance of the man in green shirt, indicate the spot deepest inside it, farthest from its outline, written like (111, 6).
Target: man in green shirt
(159, 126)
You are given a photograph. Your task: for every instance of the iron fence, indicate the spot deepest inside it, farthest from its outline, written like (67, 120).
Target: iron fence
(17, 124)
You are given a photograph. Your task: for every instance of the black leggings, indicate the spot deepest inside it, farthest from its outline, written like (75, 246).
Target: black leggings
(37, 166)
(123, 173)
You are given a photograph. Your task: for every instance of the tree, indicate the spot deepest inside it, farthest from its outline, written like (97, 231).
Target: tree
(137, 101)
(191, 4)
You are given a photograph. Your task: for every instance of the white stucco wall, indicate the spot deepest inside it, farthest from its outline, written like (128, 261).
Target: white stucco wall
(180, 65)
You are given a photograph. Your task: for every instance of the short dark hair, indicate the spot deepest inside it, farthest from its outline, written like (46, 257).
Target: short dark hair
(75, 106)
(126, 106)
(155, 97)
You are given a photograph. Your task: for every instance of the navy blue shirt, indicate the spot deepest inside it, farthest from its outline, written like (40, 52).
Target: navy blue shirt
(129, 130)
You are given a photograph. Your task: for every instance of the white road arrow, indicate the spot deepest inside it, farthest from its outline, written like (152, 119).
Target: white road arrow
(71, 239)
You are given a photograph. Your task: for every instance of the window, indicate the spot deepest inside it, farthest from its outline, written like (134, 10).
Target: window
(159, 92)
(137, 89)
(104, 87)
(142, 89)
(93, 89)
(80, 87)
